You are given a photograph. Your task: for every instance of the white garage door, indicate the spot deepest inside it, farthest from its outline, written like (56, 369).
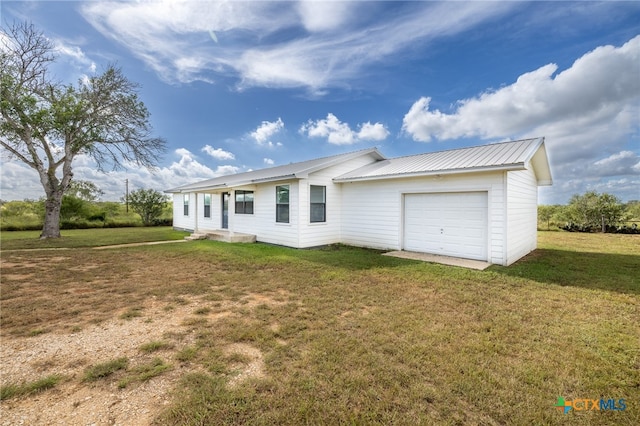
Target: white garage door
(449, 224)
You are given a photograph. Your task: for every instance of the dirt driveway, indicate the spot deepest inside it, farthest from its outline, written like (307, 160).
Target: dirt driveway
(64, 312)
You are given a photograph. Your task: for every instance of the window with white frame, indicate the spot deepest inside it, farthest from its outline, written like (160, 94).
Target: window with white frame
(318, 207)
(244, 202)
(282, 203)
(207, 205)
(185, 199)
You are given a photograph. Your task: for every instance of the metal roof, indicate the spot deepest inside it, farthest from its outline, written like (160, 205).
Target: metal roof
(271, 174)
(512, 155)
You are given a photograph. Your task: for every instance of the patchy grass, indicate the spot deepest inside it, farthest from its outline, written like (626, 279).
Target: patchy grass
(144, 372)
(186, 354)
(13, 390)
(105, 369)
(347, 336)
(131, 313)
(75, 238)
(155, 346)
(202, 311)
(37, 332)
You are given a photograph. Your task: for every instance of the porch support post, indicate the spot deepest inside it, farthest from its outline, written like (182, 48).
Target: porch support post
(195, 212)
(232, 208)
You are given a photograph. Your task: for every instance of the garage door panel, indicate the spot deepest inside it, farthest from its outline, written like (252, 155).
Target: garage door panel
(452, 224)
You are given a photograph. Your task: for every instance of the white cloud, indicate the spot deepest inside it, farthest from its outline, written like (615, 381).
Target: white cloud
(372, 132)
(225, 170)
(218, 153)
(597, 87)
(266, 130)
(268, 161)
(318, 16)
(622, 163)
(19, 182)
(313, 45)
(76, 55)
(588, 114)
(339, 133)
(336, 132)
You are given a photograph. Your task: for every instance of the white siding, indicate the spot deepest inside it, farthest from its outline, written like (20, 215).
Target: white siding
(263, 221)
(181, 221)
(299, 232)
(372, 213)
(208, 223)
(329, 232)
(522, 210)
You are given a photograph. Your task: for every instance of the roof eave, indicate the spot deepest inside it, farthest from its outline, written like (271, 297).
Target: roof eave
(180, 190)
(503, 167)
(273, 179)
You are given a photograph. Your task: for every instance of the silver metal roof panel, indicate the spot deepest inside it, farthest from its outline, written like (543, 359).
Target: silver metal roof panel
(498, 156)
(278, 173)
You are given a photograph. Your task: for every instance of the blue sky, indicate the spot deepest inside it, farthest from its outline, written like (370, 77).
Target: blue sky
(236, 86)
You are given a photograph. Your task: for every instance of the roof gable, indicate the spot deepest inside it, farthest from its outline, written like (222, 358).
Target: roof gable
(514, 155)
(289, 171)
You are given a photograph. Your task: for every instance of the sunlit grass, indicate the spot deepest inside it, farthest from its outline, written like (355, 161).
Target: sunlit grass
(75, 238)
(347, 336)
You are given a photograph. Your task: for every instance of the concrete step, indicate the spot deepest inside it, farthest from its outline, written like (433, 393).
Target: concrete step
(196, 236)
(222, 235)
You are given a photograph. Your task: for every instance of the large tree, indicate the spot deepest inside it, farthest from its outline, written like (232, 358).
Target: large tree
(46, 124)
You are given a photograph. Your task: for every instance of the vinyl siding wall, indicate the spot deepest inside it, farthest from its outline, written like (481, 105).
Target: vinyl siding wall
(299, 232)
(328, 232)
(372, 214)
(262, 222)
(180, 221)
(215, 221)
(522, 211)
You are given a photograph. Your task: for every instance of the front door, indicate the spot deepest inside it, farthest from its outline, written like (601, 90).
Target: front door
(225, 210)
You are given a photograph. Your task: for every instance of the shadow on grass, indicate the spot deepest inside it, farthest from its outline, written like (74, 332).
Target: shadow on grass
(332, 256)
(602, 271)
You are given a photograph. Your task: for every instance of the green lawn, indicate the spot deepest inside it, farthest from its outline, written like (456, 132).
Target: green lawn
(76, 238)
(351, 337)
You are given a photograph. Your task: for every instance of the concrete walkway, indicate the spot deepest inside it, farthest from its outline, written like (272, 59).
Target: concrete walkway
(444, 260)
(150, 243)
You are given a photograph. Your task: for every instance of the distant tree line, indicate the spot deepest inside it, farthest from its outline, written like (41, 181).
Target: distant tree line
(592, 212)
(81, 209)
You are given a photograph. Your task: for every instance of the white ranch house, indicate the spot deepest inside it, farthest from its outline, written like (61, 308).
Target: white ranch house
(476, 203)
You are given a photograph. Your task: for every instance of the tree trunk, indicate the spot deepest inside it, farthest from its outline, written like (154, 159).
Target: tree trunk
(52, 207)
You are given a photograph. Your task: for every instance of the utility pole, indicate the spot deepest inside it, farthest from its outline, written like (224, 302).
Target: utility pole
(126, 197)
